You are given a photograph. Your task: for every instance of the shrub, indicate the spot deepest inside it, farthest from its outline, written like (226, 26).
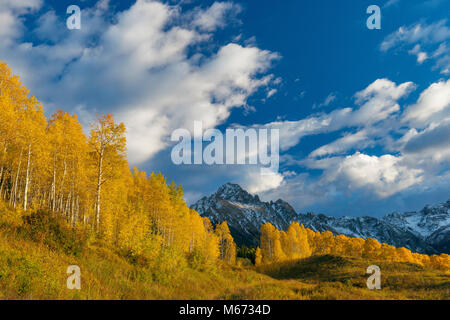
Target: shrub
(53, 231)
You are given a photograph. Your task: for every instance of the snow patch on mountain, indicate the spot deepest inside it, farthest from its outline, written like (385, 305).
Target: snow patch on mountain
(426, 231)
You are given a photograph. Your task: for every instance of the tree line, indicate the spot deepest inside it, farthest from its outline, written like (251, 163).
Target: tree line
(277, 246)
(52, 165)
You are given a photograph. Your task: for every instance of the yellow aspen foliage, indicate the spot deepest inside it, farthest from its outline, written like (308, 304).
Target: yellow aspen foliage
(340, 245)
(52, 165)
(311, 239)
(404, 255)
(108, 145)
(258, 257)
(371, 249)
(324, 241)
(298, 245)
(210, 247)
(267, 242)
(299, 242)
(227, 246)
(388, 253)
(278, 253)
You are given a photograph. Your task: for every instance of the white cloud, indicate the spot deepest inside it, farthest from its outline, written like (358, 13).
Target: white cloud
(292, 131)
(271, 93)
(256, 183)
(342, 145)
(423, 37)
(432, 105)
(21, 5)
(216, 16)
(144, 67)
(432, 143)
(328, 100)
(421, 56)
(420, 154)
(391, 3)
(377, 102)
(10, 26)
(433, 33)
(384, 175)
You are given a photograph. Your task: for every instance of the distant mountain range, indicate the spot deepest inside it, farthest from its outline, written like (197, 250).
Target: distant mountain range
(425, 231)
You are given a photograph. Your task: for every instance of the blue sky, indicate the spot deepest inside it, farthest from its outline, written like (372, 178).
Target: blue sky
(364, 115)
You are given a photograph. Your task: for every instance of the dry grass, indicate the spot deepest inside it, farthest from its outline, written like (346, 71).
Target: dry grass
(34, 267)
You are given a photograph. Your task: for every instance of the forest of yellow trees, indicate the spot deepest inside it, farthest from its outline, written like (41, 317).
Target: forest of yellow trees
(86, 180)
(299, 242)
(52, 165)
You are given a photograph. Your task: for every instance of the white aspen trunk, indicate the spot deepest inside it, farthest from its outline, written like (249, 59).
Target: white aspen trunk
(61, 194)
(53, 191)
(12, 199)
(27, 179)
(99, 189)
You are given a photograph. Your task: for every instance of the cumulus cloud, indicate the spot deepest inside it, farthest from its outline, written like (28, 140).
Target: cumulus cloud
(10, 26)
(384, 175)
(145, 65)
(256, 183)
(379, 100)
(158, 68)
(433, 142)
(413, 145)
(432, 105)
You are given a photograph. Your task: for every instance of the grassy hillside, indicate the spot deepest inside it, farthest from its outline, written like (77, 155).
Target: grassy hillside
(34, 260)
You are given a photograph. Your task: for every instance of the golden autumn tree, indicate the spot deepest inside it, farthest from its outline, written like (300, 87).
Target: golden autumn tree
(267, 242)
(371, 249)
(68, 153)
(278, 246)
(404, 255)
(108, 144)
(210, 248)
(227, 246)
(298, 246)
(52, 165)
(12, 95)
(388, 253)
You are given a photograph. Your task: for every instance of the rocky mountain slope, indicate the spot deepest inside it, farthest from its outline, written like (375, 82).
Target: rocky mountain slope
(426, 231)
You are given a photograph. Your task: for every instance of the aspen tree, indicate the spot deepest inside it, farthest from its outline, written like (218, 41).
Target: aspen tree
(227, 246)
(108, 145)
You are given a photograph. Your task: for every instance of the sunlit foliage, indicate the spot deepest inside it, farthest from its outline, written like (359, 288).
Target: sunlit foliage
(298, 242)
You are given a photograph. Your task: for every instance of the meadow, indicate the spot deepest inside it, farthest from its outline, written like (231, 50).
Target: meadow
(34, 260)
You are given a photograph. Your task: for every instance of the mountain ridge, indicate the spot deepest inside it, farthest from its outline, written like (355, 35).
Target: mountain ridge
(424, 231)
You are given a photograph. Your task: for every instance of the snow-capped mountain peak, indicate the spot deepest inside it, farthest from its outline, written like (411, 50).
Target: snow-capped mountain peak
(426, 231)
(234, 192)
